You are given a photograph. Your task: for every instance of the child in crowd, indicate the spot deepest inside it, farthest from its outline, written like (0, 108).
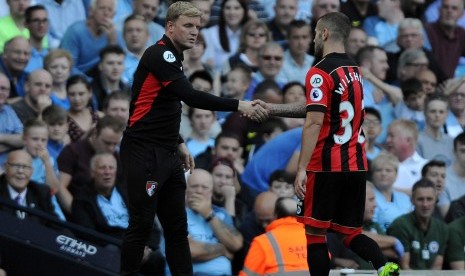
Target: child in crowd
(414, 101)
(372, 128)
(282, 183)
(293, 92)
(45, 170)
(56, 119)
(201, 123)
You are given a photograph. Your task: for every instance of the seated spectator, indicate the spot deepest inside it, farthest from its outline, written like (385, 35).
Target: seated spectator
(13, 24)
(254, 224)
(74, 159)
(454, 252)
(104, 209)
(424, 237)
(282, 249)
(11, 128)
(108, 75)
(282, 184)
(390, 203)
(84, 39)
(455, 176)
(428, 80)
(55, 117)
(281, 153)
(117, 105)
(136, 37)
(226, 145)
(58, 63)
(13, 62)
(36, 18)
(410, 63)
(213, 239)
(297, 62)
(358, 10)
(456, 209)
(455, 122)
(357, 40)
(254, 35)
(193, 58)
(205, 7)
(223, 38)
(432, 142)
(412, 106)
(16, 185)
(435, 171)
(266, 131)
(293, 91)
(402, 142)
(81, 116)
(37, 90)
(372, 128)
(199, 139)
(284, 13)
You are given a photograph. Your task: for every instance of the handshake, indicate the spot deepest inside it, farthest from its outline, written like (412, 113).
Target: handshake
(256, 110)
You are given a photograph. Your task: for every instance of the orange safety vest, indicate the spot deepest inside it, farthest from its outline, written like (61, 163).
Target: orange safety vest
(280, 251)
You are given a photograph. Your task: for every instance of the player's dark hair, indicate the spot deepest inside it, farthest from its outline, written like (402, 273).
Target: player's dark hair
(430, 164)
(338, 24)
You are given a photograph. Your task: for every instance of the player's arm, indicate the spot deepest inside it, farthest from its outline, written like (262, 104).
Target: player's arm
(290, 110)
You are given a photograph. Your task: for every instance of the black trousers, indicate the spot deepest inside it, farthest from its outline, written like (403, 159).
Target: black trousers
(156, 185)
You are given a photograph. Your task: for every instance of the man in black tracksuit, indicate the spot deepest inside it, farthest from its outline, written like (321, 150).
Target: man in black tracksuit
(154, 156)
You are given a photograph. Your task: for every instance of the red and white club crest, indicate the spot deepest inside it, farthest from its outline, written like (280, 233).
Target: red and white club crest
(151, 187)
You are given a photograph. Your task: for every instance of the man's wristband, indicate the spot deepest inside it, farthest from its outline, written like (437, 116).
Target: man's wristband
(210, 216)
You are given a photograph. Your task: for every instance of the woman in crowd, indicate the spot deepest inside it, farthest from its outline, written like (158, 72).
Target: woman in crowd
(58, 63)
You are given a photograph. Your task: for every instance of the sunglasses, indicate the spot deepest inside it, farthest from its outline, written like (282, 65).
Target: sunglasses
(276, 58)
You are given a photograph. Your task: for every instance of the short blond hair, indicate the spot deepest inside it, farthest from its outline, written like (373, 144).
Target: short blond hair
(182, 8)
(407, 127)
(385, 158)
(57, 53)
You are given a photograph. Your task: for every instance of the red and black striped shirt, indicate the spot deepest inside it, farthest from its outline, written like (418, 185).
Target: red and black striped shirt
(334, 87)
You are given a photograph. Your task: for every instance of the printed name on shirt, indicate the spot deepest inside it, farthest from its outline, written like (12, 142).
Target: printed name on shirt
(169, 56)
(346, 81)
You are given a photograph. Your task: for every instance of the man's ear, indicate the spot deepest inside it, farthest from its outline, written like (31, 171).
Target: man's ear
(325, 34)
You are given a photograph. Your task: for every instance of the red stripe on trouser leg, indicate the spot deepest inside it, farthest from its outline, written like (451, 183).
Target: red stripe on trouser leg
(348, 239)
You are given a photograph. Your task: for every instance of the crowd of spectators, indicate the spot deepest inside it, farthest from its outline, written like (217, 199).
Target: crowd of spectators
(66, 70)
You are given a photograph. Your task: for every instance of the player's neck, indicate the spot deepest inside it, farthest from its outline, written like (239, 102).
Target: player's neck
(333, 48)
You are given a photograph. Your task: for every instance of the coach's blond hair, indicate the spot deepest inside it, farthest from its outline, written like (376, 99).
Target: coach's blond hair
(182, 8)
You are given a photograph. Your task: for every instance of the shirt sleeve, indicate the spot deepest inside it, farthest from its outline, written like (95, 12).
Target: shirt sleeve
(163, 64)
(400, 231)
(254, 263)
(317, 87)
(455, 245)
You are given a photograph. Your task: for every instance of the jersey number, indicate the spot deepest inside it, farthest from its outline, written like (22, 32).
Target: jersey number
(346, 126)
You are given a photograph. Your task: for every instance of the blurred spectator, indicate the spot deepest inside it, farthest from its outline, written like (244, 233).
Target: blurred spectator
(282, 249)
(280, 153)
(410, 63)
(322, 7)
(14, 59)
(390, 203)
(432, 142)
(413, 104)
(13, 24)
(435, 171)
(108, 75)
(44, 167)
(62, 14)
(454, 251)
(266, 131)
(205, 6)
(38, 87)
(455, 122)
(372, 128)
(223, 38)
(254, 35)
(357, 39)
(212, 236)
(58, 63)
(37, 24)
(226, 145)
(296, 61)
(376, 92)
(411, 36)
(358, 10)
(84, 39)
(254, 224)
(255, 10)
(199, 139)
(193, 58)
(74, 159)
(402, 142)
(293, 92)
(446, 37)
(117, 106)
(270, 62)
(285, 12)
(238, 81)
(16, 185)
(424, 237)
(11, 128)
(136, 37)
(414, 8)
(103, 208)
(455, 176)
(282, 184)
(383, 26)
(81, 117)
(428, 80)
(55, 118)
